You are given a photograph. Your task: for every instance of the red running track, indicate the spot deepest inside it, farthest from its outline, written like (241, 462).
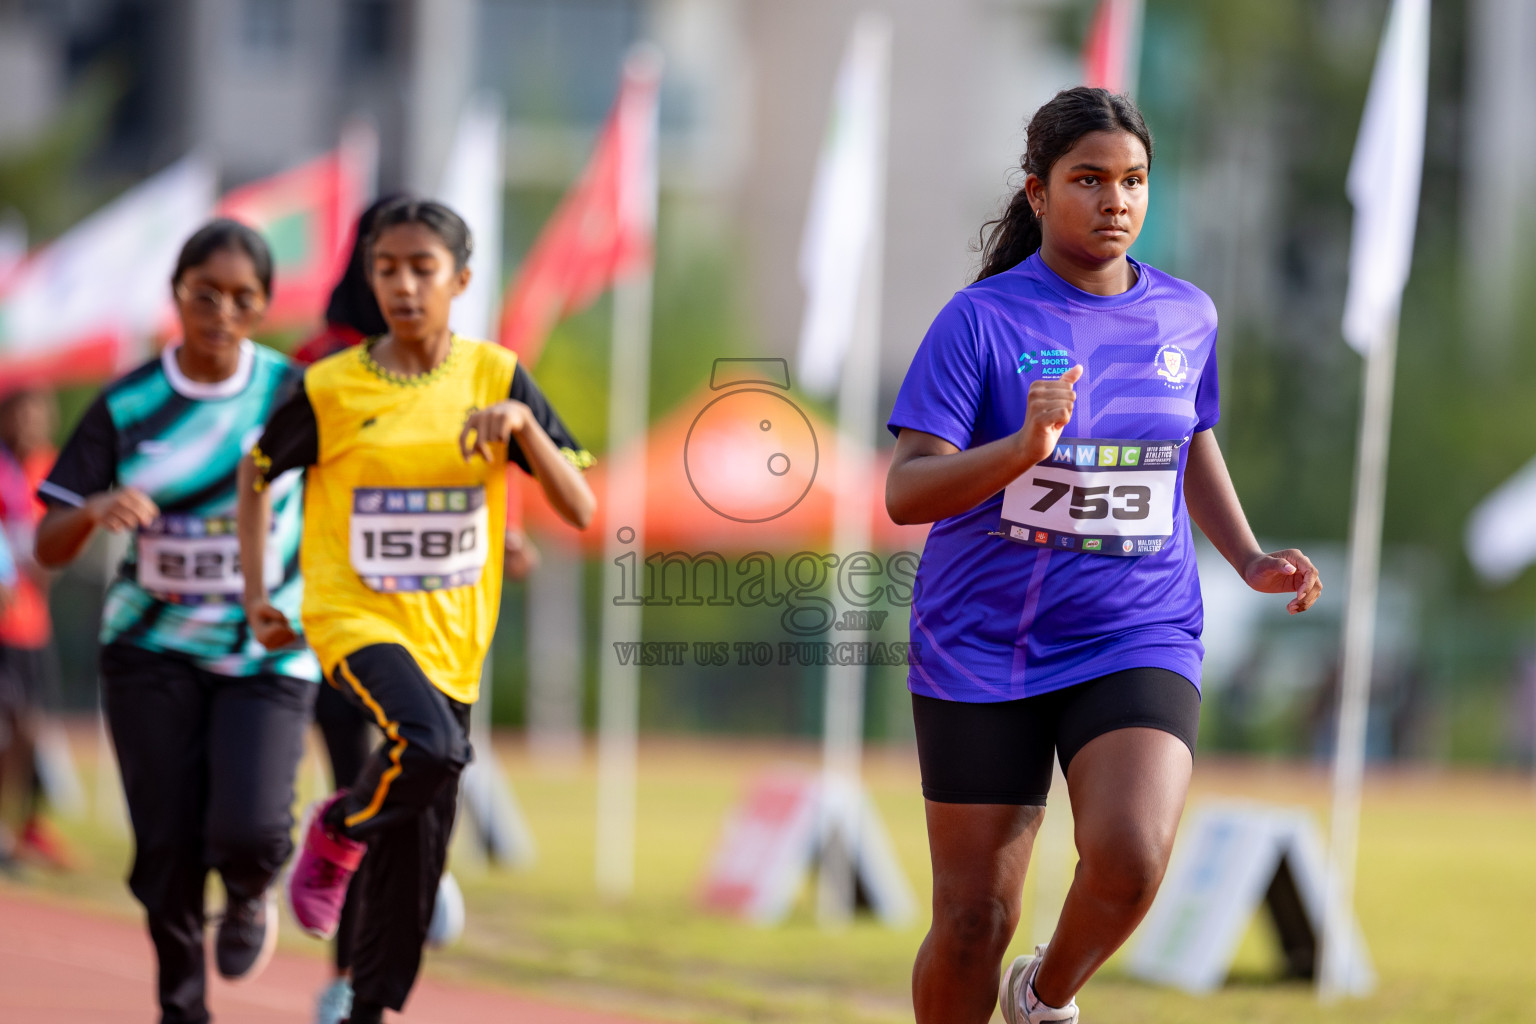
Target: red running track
(59, 965)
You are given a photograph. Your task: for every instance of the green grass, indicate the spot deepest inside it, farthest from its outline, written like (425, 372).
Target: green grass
(1447, 898)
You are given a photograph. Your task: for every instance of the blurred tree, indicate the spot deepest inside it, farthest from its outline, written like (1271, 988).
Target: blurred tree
(43, 181)
(1256, 107)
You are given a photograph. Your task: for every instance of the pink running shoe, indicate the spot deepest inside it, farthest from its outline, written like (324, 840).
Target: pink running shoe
(317, 882)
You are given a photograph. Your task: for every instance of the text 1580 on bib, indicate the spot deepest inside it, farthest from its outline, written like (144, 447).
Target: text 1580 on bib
(418, 538)
(1101, 497)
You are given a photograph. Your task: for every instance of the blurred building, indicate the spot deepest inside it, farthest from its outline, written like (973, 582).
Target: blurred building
(1499, 206)
(261, 84)
(258, 84)
(966, 74)
(744, 110)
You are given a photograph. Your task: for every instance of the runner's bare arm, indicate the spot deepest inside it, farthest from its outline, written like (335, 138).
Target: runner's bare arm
(931, 479)
(563, 484)
(1213, 505)
(253, 521)
(65, 530)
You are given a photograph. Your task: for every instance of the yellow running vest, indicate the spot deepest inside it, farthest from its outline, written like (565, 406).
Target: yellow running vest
(403, 538)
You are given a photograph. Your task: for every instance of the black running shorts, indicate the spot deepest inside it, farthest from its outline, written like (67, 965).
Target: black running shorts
(1000, 753)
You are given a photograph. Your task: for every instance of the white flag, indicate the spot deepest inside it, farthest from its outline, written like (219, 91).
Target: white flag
(1501, 534)
(472, 184)
(110, 272)
(1384, 175)
(841, 221)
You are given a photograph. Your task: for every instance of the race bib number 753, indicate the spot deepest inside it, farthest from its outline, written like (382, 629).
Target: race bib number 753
(418, 538)
(1104, 497)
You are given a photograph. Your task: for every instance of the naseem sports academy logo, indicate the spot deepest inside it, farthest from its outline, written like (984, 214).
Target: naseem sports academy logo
(1051, 362)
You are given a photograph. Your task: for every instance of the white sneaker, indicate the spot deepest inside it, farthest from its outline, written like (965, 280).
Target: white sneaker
(335, 1002)
(1013, 994)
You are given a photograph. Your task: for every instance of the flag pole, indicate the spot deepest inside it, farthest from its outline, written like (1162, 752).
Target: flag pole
(624, 523)
(1385, 174)
(619, 684)
(1336, 966)
(1134, 17)
(857, 411)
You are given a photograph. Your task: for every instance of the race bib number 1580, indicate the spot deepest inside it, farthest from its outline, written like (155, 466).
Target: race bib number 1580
(1105, 497)
(418, 538)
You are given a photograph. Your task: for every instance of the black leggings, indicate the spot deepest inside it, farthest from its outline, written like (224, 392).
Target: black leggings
(29, 693)
(208, 763)
(350, 737)
(402, 805)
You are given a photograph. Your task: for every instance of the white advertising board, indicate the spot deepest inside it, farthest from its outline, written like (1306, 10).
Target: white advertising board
(1231, 859)
(781, 830)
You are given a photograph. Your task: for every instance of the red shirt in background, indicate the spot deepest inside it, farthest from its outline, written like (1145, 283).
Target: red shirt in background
(329, 341)
(26, 623)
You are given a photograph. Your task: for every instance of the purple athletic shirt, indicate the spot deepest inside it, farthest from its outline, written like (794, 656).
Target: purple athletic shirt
(997, 619)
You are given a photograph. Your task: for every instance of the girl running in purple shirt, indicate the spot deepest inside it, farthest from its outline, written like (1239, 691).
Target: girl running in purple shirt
(1055, 427)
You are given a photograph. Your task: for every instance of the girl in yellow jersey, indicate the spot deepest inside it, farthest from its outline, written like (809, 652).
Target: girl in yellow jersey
(405, 440)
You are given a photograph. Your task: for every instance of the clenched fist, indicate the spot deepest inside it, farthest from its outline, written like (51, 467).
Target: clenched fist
(269, 625)
(492, 425)
(1050, 409)
(127, 508)
(1282, 572)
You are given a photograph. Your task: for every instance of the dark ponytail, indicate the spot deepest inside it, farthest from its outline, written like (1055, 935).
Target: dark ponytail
(352, 301)
(1072, 113)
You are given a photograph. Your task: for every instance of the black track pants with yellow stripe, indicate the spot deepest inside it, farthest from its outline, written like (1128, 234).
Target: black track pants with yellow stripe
(402, 805)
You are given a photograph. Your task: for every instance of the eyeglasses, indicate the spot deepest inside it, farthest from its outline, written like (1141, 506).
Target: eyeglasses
(212, 302)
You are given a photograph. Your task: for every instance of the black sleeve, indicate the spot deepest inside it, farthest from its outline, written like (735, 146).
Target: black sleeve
(88, 463)
(526, 391)
(292, 384)
(292, 437)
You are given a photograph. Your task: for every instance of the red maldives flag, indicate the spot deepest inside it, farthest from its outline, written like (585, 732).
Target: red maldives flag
(1111, 54)
(307, 215)
(603, 228)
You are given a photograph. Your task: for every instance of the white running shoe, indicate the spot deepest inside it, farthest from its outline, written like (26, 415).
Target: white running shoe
(335, 1002)
(1013, 994)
